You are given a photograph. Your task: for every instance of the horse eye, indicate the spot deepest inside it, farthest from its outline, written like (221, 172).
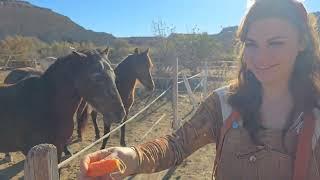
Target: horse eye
(98, 77)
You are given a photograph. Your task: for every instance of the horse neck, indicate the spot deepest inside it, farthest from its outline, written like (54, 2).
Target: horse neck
(125, 81)
(65, 97)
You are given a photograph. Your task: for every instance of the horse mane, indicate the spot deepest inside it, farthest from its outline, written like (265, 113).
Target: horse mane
(58, 63)
(149, 61)
(71, 62)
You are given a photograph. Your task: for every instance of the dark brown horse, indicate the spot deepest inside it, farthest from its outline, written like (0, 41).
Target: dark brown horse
(135, 67)
(17, 75)
(40, 109)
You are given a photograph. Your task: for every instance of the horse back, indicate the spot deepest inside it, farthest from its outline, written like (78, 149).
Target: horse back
(19, 74)
(24, 100)
(24, 113)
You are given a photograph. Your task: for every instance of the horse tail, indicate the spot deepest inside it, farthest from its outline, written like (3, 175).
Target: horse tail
(82, 116)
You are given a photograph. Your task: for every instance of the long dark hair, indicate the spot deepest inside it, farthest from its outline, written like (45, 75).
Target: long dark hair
(304, 85)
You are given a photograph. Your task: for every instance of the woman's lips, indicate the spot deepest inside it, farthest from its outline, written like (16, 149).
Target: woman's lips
(266, 67)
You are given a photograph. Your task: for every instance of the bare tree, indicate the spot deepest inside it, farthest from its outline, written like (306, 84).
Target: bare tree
(162, 32)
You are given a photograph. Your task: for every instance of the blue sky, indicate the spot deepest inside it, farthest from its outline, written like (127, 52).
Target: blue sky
(125, 18)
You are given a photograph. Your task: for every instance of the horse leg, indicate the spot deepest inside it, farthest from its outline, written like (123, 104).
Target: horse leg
(107, 127)
(123, 130)
(82, 118)
(78, 127)
(8, 157)
(94, 115)
(79, 136)
(79, 119)
(66, 151)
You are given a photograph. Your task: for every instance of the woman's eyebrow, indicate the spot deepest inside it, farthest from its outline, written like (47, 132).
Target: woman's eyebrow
(277, 38)
(270, 39)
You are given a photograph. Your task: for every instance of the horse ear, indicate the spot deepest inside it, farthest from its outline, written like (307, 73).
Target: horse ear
(79, 54)
(106, 51)
(136, 51)
(147, 51)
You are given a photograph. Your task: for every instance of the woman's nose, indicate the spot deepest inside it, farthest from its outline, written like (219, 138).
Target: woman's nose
(261, 56)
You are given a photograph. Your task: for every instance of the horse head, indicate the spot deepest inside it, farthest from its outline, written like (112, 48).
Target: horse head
(142, 64)
(95, 82)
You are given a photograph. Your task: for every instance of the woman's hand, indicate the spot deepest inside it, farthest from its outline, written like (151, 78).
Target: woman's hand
(126, 154)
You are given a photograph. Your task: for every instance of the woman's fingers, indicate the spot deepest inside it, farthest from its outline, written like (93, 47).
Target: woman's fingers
(127, 155)
(93, 157)
(97, 156)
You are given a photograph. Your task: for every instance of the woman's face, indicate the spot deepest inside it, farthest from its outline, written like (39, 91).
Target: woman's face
(271, 48)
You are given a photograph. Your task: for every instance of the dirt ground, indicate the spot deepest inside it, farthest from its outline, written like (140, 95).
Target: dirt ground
(197, 166)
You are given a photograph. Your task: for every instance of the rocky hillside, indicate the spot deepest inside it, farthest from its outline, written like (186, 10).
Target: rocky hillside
(22, 18)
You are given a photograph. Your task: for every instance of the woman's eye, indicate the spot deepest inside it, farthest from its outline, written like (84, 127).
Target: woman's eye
(250, 44)
(276, 43)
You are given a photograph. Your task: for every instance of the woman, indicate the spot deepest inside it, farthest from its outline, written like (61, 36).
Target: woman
(266, 124)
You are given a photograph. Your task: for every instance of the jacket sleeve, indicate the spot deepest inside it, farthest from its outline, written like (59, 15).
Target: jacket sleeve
(171, 150)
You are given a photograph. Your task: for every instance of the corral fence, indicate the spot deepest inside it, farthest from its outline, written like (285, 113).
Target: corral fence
(41, 162)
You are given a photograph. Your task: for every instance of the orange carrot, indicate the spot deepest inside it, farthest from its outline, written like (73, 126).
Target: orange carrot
(105, 166)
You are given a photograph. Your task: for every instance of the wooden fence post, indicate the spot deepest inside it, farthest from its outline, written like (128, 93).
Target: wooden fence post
(190, 93)
(175, 123)
(42, 163)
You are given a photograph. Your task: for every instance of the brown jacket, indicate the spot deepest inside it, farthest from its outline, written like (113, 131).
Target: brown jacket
(240, 159)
